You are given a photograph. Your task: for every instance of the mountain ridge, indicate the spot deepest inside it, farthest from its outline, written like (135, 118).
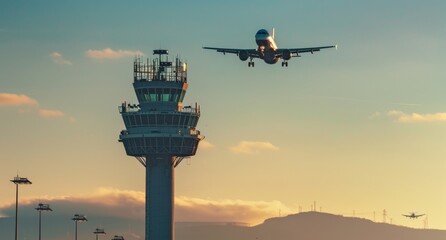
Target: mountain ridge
(306, 225)
(314, 226)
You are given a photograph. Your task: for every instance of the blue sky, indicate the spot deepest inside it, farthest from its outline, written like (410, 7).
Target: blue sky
(359, 128)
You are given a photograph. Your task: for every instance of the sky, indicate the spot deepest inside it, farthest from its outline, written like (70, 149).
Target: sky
(359, 129)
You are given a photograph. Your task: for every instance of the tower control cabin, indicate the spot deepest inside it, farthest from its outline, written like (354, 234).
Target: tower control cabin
(160, 132)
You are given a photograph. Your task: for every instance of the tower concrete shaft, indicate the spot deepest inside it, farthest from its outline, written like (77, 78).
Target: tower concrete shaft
(160, 132)
(159, 198)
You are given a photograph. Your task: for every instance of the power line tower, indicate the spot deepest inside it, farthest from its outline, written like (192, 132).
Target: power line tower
(426, 222)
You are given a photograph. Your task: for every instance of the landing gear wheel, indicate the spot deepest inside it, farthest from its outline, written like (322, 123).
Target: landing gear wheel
(250, 64)
(285, 64)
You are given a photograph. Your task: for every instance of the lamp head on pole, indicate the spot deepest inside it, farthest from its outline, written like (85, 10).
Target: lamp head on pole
(99, 231)
(20, 180)
(79, 218)
(43, 207)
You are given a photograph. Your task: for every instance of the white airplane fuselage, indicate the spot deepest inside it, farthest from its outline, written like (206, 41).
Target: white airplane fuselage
(266, 46)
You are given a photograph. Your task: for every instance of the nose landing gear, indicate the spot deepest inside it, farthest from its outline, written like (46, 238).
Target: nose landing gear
(284, 63)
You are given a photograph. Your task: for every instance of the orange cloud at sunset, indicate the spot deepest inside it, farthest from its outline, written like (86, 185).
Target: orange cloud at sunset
(204, 210)
(130, 204)
(46, 113)
(11, 99)
(29, 106)
(108, 53)
(252, 147)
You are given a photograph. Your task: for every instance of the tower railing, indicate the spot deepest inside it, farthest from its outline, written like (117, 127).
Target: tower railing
(158, 70)
(136, 109)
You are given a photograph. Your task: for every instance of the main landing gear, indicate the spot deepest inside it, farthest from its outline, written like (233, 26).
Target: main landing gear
(284, 64)
(250, 64)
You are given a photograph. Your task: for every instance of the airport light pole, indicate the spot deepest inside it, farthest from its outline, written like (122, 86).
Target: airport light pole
(99, 231)
(42, 207)
(78, 218)
(18, 180)
(116, 237)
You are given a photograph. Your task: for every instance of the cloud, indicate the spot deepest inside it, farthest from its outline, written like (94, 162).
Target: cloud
(59, 59)
(402, 117)
(252, 147)
(27, 105)
(47, 113)
(108, 53)
(106, 202)
(125, 204)
(205, 210)
(11, 99)
(375, 115)
(206, 145)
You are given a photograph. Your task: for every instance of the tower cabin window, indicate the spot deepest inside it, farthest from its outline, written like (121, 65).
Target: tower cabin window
(160, 94)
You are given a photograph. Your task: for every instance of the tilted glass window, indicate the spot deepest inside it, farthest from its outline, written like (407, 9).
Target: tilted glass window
(152, 94)
(165, 95)
(145, 94)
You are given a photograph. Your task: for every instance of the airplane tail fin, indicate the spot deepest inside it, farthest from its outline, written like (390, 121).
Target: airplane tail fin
(273, 35)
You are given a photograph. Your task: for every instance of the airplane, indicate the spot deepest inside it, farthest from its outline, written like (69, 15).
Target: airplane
(413, 215)
(267, 50)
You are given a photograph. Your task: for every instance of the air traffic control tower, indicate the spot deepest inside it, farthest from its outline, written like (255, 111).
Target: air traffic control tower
(160, 133)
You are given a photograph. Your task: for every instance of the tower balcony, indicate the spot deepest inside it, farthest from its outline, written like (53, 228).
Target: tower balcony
(142, 145)
(135, 118)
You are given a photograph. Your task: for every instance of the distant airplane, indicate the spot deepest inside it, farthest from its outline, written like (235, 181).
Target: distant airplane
(413, 215)
(267, 50)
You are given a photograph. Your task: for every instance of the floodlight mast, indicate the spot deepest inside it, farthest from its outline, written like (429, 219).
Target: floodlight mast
(160, 133)
(99, 231)
(18, 180)
(78, 218)
(116, 237)
(42, 207)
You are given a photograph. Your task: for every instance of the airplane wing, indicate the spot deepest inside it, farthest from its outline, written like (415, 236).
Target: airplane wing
(295, 51)
(251, 52)
(406, 215)
(419, 215)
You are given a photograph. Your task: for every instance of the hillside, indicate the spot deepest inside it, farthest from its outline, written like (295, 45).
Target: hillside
(310, 225)
(306, 226)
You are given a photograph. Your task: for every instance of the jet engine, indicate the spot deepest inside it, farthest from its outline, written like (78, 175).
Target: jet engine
(286, 54)
(243, 55)
(269, 56)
